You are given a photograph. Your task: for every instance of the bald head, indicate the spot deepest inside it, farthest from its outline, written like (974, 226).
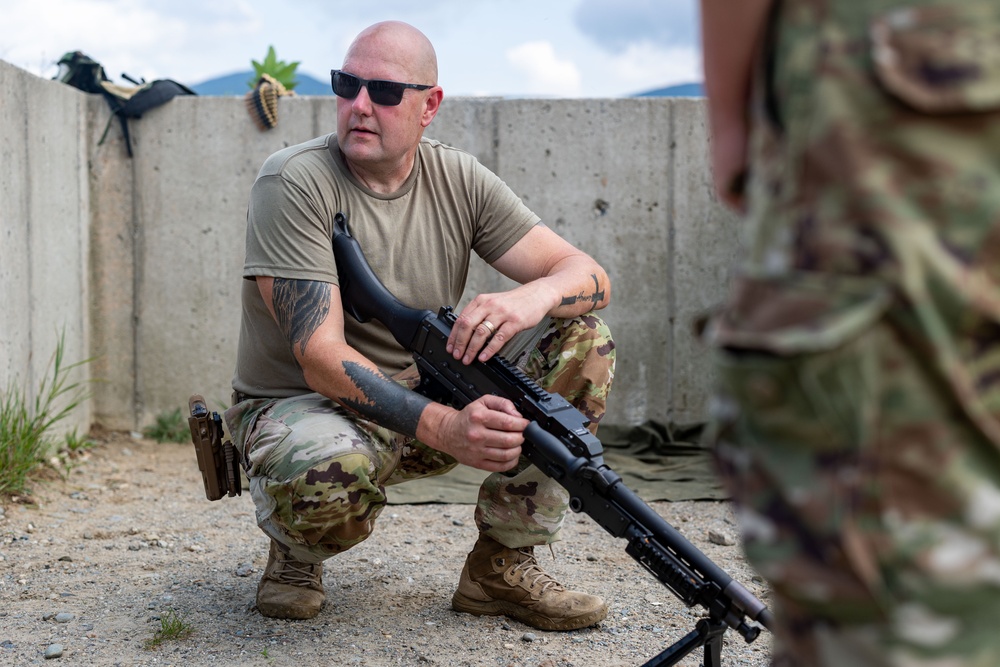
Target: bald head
(379, 139)
(406, 52)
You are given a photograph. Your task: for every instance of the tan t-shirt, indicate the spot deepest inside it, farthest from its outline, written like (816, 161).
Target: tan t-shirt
(417, 240)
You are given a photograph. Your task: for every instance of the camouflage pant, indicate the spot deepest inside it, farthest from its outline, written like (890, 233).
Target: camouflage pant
(858, 409)
(868, 498)
(318, 473)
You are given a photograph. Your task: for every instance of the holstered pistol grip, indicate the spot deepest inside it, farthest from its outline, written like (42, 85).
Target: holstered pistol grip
(217, 460)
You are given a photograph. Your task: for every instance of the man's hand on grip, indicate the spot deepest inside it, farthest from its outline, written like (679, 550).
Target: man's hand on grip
(485, 434)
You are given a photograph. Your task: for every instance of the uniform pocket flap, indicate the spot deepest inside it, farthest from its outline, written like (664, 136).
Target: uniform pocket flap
(796, 314)
(943, 59)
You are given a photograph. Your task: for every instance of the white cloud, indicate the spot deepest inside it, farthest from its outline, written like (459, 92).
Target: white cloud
(179, 39)
(548, 75)
(109, 30)
(643, 62)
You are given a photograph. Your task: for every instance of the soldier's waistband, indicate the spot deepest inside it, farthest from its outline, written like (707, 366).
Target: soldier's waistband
(239, 397)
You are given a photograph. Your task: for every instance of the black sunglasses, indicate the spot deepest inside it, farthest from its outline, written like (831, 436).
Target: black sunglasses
(384, 93)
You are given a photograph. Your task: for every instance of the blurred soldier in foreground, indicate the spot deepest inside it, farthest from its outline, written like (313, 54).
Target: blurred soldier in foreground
(858, 355)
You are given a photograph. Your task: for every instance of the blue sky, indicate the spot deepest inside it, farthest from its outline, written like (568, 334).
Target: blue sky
(531, 48)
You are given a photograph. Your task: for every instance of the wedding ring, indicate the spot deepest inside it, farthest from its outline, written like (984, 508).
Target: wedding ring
(489, 327)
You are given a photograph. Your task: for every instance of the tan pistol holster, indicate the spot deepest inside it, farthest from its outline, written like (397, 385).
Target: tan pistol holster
(217, 459)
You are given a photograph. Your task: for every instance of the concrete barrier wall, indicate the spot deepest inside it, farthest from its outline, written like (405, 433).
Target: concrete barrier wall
(44, 235)
(627, 180)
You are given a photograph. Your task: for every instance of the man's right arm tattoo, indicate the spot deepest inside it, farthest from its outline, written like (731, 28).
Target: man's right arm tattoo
(386, 402)
(300, 307)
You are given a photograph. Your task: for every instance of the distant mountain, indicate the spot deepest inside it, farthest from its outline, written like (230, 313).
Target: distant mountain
(236, 84)
(680, 90)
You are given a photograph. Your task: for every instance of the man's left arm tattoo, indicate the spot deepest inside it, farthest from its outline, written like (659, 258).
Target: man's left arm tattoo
(388, 403)
(594, 298)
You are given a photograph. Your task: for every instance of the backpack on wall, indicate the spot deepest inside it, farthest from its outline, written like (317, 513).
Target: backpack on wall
(85, 73)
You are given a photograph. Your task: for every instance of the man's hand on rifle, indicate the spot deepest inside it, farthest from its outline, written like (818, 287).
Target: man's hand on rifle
(490, 320)
(485, 434)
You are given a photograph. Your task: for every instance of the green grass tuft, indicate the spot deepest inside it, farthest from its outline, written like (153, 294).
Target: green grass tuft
(172, 627)
(26, 421)
(169, 427)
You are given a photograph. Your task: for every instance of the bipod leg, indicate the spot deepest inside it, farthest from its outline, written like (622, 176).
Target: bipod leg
(707, 633)
(713, 642)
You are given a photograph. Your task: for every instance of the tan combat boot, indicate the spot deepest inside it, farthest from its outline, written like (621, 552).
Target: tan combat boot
(290, 588)
(500, 581)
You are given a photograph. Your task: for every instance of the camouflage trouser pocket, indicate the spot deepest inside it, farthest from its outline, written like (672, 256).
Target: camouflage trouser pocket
(940, 59)
(867, 497)
(793, 420)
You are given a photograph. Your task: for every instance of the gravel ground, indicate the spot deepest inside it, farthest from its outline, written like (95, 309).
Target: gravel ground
(93, 566)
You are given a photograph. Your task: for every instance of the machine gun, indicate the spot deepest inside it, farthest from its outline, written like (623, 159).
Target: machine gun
(558, 442)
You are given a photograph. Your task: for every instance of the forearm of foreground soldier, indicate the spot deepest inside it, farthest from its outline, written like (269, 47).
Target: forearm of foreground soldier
(731, 36)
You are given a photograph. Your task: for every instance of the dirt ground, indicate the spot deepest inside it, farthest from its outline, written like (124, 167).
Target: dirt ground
(99, 562)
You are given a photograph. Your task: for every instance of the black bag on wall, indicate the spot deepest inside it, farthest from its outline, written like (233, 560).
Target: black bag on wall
(81, 71)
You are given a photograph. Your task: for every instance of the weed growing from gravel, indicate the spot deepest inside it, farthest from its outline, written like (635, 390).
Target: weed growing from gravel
(172, 627)
(26, 421)
(73, 452)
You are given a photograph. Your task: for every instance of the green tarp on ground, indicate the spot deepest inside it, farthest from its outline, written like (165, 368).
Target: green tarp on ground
(657, 461)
